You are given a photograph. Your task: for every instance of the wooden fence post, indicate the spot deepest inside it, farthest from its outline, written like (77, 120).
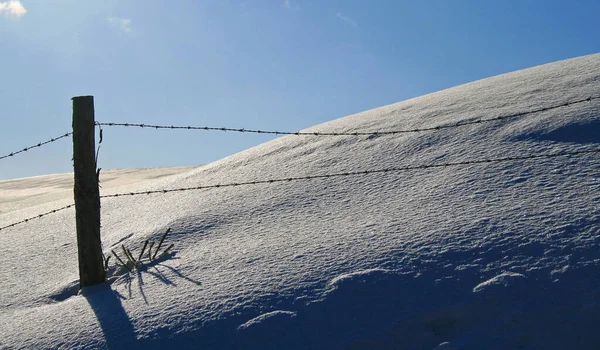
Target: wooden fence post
(87, 194)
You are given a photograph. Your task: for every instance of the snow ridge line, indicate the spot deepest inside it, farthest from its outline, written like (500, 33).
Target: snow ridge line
(326, 176)
(299, 133)
(38, 145)
(376, 133)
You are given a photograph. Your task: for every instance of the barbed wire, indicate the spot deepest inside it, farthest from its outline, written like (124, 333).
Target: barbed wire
(325, 176)
(38, 145)
(356, 173)
(392, 132)
(37, 217)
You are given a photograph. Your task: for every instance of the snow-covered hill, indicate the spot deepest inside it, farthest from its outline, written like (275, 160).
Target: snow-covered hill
(483, 256)
(31, 191)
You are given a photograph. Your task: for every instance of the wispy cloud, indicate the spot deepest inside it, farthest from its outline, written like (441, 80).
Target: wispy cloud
(291, 5)
(346, 19)
(123, 24)
(12, 8)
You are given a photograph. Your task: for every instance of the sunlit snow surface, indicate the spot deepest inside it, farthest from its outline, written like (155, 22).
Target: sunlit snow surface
(492, 256)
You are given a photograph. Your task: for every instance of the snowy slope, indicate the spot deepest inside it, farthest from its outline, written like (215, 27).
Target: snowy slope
(482, 256)
(31, 191)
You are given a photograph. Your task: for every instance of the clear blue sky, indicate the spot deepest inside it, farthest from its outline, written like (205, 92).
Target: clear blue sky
(273, 64)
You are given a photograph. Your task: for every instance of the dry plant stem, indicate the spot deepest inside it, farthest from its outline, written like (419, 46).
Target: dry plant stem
(161, 242)
(142, 252)
(151, 255)
(121, 261)
(167, 250)
(131, 256)
(127, 255)
(150, 251)
(125, 252)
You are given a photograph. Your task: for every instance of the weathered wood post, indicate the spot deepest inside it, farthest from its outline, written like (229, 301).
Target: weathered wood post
(87, 194)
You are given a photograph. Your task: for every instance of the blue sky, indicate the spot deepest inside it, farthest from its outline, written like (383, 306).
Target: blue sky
(275, 64)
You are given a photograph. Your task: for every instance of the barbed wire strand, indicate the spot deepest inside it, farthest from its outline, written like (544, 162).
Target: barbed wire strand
(392, 132)
(38, 145)
(37, 217)
(355, 173)
(325, 176)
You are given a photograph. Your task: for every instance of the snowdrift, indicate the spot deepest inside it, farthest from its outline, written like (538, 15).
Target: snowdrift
(481, 256)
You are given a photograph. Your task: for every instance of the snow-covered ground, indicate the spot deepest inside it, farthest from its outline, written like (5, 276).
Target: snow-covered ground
(482, 256)
(32, 191)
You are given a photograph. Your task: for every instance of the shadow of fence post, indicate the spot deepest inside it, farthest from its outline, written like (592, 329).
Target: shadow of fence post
(117, 328)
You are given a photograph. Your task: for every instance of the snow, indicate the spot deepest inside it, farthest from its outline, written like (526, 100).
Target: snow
(28, 192)
(503, 281)
(482, 256)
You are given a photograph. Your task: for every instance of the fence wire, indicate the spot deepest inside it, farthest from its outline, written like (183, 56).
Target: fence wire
(390, 132)
(356, 173)
(37, 217)
(326, 176)
(38, 145)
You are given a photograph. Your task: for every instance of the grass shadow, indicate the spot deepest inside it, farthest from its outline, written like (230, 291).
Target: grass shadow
(156, 269)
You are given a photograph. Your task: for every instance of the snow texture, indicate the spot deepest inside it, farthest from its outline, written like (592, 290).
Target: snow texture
(482, 256)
